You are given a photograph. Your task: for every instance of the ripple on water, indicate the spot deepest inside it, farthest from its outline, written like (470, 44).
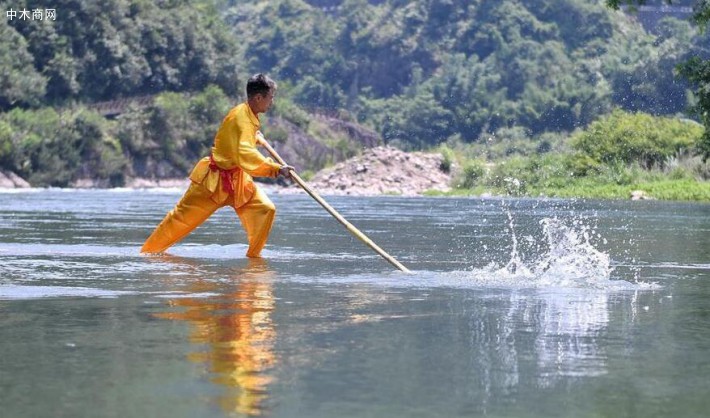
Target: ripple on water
(39, 292)
(569, 261)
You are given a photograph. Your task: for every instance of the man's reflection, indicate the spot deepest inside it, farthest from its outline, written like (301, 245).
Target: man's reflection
(236, 327)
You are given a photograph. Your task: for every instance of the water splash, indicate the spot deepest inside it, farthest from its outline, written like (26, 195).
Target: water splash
(560, 258)
(567, 259)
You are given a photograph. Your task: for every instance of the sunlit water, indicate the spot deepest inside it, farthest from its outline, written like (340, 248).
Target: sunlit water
(515, 308)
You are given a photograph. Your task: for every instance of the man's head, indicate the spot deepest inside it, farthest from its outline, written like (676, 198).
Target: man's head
(260, 92)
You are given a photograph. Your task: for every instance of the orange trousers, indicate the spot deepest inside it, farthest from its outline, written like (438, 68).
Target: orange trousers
(196, 205)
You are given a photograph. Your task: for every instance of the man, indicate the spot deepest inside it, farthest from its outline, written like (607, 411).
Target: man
(225, 177)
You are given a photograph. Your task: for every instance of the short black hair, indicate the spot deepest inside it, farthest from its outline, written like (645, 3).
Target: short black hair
(260, 84)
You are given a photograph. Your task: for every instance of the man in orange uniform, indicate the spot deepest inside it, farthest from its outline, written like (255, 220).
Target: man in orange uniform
(225, 177)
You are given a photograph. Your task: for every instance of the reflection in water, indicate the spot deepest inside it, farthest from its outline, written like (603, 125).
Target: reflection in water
(237, 328)
(567, 326)
(541, 339)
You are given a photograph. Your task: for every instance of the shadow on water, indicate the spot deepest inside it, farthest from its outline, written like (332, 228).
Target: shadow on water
(231, 318)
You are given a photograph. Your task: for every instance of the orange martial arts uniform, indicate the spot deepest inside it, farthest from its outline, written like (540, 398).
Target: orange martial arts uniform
(224, 178)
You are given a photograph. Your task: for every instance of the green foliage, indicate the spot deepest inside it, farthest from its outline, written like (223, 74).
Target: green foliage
(7, 145)
(486, 66)
(287, 109)
(685, 189)
(473, 172)
(103, 50)
(100, 155)
(277, 134)
(525, 66)
(20, 83)
(692, 67)
(417, 122)
(682, 189)
(511, 175)
(698, 71)
(548, 175)
(208, 106)
(53, 149)
(576, 173)
(511, 78)
(625, 137)
(582, 165)
(307, 175)
(177, 129)
(448, 158)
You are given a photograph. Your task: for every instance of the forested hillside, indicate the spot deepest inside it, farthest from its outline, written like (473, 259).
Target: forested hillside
(419, 73)
(425, 71)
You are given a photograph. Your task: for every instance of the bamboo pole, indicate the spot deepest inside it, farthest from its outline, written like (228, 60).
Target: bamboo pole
(350, 227)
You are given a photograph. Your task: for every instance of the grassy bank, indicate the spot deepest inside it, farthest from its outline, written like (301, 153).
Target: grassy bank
(681, 190)
(615, 156)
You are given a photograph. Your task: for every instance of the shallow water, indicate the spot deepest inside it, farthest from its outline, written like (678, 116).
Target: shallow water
(516, 308)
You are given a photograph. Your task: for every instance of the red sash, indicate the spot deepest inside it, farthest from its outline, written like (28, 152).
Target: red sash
(225, 175)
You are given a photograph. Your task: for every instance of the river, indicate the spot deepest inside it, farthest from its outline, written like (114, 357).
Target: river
(517, 307)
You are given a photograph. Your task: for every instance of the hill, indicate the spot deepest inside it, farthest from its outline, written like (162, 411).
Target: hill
(415, 74)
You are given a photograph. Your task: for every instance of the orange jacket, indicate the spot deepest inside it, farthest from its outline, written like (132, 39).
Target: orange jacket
(235, 151)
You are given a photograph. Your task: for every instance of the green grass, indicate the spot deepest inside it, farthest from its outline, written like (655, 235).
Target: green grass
(667, 189)
(683, 189)
(678, 190)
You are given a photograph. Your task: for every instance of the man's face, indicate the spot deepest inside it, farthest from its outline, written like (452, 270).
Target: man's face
(265, 101)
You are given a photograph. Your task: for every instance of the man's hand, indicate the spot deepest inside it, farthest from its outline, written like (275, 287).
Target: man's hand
(285, 171)
(260, 140)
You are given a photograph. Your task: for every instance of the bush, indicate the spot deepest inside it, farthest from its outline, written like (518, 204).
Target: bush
(290, 111)
(53, 149)
(581, 165)
(176, 129)
(473, 172)
(7, 146)
(38, 154)
(512, 175)
(277, 134)
(680, 173)
(307, 175)
(636, 138)
(209, 106)
(447, 160)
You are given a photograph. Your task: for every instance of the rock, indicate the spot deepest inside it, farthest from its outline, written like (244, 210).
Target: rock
(10, 180)
(143, 183)
(384, 170)
(19, 181)
(640, 195)
(88, 184)
(5, 182)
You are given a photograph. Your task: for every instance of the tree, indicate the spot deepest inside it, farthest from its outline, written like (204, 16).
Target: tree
(623, 137)
(696, 69)
(20, 82)
(115, 48)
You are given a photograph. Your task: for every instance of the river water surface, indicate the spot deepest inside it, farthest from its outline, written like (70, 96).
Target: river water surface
(516, 308)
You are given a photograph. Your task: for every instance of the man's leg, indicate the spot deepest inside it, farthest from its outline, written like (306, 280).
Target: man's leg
(194, 208)
(257, 216)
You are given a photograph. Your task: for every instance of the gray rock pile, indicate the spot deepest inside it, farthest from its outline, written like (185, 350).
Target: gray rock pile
(384, 170)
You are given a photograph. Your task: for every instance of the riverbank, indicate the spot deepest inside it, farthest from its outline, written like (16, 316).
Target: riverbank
(377, 171)
(667, 190)
(388, 171)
